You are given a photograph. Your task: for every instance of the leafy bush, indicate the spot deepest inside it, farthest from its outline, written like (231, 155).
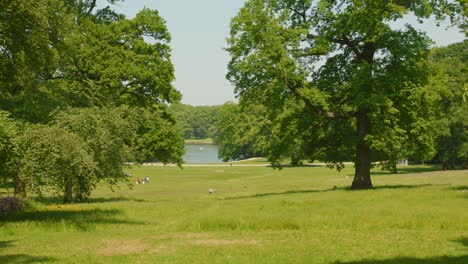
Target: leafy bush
(55, 160)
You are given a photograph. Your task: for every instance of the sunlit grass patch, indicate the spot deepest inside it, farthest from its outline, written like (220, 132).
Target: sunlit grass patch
(257, 215)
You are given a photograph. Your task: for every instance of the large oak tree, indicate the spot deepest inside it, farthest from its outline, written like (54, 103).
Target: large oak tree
(355, 82)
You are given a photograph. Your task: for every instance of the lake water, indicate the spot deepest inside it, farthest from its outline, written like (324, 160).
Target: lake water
(201, 153)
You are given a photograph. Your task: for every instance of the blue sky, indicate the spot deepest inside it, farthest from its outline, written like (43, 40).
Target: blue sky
(199, 30)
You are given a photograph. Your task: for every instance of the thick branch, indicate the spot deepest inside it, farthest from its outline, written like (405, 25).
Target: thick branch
(302, 14)
(346, 41)
(91, 8)
(342, 41)
(311, 53)
(315, 108)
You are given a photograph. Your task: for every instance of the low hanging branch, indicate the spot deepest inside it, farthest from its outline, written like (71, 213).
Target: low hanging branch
(314, 108)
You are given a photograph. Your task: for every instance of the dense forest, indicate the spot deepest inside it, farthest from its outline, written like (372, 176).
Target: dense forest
(196, 122)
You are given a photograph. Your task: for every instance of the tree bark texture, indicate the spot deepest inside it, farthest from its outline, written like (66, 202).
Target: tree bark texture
(362, 179)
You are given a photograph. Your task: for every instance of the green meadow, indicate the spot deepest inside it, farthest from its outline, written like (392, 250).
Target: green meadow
(257, 215)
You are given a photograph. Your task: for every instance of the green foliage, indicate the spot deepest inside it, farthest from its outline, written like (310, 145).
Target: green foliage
(240, 132)
(107, 134)
(158, 138)
(52, 159)
(31, 33)
(27, 48)
(124, 134)
(195, 121)
(70, 54)
(452, 65)
(57, 56)
(359, 83)
(119, 62)
(8, 130)
(84, 147)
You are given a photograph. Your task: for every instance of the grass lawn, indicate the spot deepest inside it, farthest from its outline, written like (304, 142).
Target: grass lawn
(257, 215)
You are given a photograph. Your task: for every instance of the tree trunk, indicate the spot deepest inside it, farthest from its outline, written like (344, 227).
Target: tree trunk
(67, 194)
(362, 179)
(394, 167)
(19, 187)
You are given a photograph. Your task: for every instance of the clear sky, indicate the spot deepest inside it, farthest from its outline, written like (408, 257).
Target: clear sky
(199, 29)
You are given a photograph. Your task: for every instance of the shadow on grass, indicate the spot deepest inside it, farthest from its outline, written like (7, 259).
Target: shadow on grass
(408, 170)
(348, 188)
(82, 219)
(285, 193)
(57, 200)
(460, 188)
(5, 244)
(463, 241)
(287, 166)
(463, 259)
(24, 259)
(115, 199)
(435, 260)
(20, 258)
(401, 186)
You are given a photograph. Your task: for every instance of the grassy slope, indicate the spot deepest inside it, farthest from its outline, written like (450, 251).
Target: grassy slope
(258, 215)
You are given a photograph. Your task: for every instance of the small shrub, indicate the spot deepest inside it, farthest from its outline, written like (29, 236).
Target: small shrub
(10, 205)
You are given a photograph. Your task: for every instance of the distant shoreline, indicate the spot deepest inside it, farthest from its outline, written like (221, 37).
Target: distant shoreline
(236, 164)
(201, 141)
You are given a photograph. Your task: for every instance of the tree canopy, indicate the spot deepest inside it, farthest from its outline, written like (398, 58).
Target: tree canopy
(195, 121)
(79, 80)
(451, 63)
(70, 54)
(353, 86)
(241, 132)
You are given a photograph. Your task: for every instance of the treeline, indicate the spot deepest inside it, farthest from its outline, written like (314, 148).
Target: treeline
(196, 122)
(83, 90)
(451, 65)
(249, 130)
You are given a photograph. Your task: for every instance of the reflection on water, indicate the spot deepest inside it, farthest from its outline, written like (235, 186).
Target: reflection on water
(201, 153)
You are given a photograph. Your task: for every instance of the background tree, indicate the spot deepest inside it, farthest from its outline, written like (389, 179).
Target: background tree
(109, 136)
(52, 159)
(452, 65)
(356, 77)
(241, 133)
(102, 140)
(158, 138)
(195, 121)
(8, 130)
